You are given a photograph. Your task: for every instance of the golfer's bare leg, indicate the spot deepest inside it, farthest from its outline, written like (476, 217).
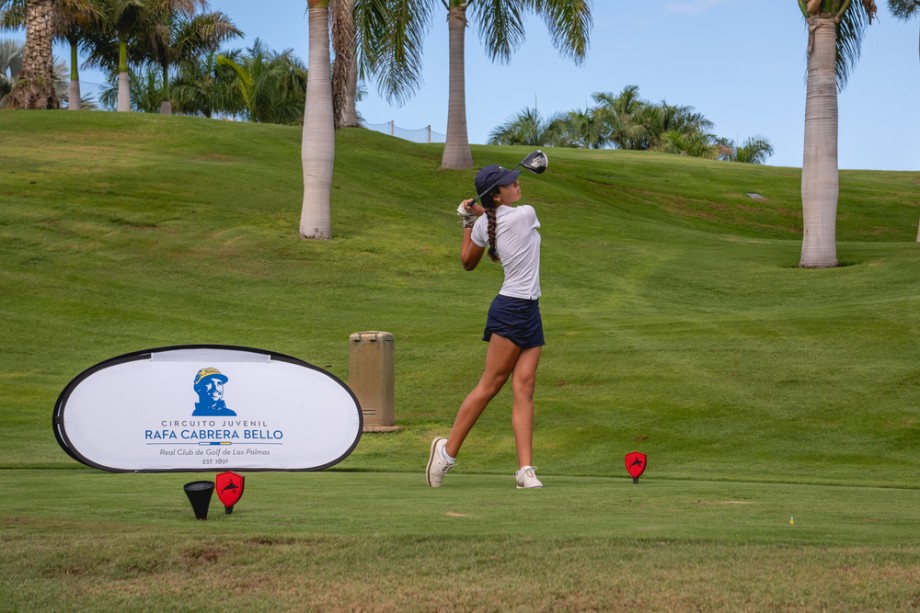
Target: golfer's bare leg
(500, 360)
(523, 381)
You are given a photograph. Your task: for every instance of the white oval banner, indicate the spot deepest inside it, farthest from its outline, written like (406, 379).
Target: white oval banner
(206, 407)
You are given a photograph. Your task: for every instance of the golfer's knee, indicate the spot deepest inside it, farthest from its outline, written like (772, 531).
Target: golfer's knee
(491, 386)
(524, 384)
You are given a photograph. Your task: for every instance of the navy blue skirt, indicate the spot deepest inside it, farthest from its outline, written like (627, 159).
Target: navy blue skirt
(516, 319)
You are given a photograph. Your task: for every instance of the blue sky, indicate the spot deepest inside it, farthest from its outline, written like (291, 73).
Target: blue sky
(739, 62)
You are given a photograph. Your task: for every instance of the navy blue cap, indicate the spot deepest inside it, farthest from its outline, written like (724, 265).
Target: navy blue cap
(492, 176)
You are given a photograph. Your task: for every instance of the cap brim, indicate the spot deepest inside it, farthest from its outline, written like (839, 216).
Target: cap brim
(509, 178)
(221, 378)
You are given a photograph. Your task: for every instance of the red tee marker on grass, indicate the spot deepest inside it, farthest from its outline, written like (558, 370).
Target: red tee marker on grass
(229, 489)
(635, 464)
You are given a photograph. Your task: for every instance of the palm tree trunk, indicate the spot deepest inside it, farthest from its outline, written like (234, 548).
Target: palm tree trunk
(344, 69)
(457, 145)
(350, 112)
(317, 152)
(124, 86)
(35, 87)
(74, 102)
(820, 176)
(166, 103)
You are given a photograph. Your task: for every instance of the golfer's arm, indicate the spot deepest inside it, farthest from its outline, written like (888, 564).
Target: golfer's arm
(470, 252)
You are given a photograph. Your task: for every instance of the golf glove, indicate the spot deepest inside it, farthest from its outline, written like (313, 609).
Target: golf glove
(467, 218)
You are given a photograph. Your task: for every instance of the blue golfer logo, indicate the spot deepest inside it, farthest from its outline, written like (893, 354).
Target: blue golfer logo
(209, 385)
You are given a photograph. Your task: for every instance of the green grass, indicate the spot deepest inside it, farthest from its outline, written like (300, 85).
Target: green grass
(346, 540)
(677, 324)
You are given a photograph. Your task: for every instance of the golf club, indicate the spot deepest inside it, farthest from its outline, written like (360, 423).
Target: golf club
(536, 162)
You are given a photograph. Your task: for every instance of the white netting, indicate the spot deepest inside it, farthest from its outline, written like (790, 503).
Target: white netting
(418, 135)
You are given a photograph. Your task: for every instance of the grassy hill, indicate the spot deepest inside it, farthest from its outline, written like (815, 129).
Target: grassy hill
(676, 318)
(677, 323)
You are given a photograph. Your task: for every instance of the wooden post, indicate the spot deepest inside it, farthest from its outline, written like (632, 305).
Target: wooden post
(370, 377)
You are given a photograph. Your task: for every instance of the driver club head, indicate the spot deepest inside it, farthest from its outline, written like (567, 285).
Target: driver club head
(536, 162)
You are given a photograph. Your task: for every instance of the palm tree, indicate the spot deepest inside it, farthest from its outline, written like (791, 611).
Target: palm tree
(525, 128)
(754, 150)
(625, 116)
(178, 33)
(10, 66)
(146, 90)
(528, 127)
(202, 87)
(678, 129)
(34, 89)
(633, 123)
(693, 144)
(78, 18)
(835, 30)
(159, 40)
(12, 16)
(75, 20)
(124, 21)
(501, 28)
(267, 86)
(575, 129)
(679, 119)
(317, 149)
(904, 9)
(457, 152)
(397, 58)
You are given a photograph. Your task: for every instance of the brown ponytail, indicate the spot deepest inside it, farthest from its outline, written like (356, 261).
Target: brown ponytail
(493, 226)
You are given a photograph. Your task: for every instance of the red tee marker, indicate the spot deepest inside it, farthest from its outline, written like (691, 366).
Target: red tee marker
(635, 464)
(229, 486)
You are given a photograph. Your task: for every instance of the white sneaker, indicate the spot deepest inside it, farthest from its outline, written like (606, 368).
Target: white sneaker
(527, 478)
(437, 465)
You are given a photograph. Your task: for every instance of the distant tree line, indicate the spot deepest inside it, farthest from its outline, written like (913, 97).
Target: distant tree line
(256, 84)
(159, 56)
(625, 121)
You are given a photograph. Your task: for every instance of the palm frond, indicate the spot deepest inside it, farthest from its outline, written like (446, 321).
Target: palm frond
(755, 150)
(569, 23)
(12, 14)
(501, 26)
(10, 58)
(904, 9)
(850, 30)
(391, 37)
(525, 128)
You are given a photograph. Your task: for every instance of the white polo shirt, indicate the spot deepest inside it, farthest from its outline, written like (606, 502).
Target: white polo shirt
(518, 244)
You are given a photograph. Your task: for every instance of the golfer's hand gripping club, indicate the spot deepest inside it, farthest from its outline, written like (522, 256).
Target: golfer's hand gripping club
(468, 211)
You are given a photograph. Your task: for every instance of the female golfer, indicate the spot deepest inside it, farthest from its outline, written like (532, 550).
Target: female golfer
(514, 329)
